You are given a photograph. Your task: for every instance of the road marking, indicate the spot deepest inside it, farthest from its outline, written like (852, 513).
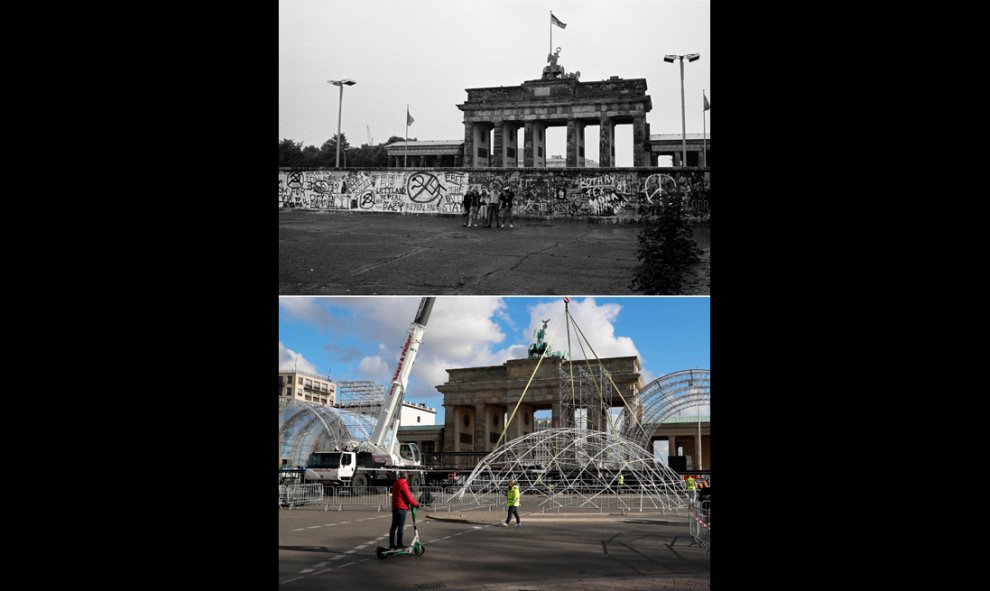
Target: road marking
(290, 580)
(305, 570)
(343, 522)
(477, 527)
(349, 563)
(319, 564)
(300, 529)
(322, 571)
(338, 557)
(361, 547)
(314, 526)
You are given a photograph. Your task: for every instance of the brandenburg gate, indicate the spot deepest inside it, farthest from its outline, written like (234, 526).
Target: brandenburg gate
(555, 100)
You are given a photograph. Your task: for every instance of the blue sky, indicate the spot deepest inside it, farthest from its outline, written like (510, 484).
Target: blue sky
(424, 54)
(358, 338)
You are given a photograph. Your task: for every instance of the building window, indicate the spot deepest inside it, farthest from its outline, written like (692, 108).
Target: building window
(581, 151)
(482, 152)
(466, 438)
(418, 419)
(300, 381)
(493, 437)
(467, 421)
(288, 391)
(539, 151)
(510, 152)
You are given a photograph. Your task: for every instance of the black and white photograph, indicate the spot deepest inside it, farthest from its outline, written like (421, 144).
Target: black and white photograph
(511, 147)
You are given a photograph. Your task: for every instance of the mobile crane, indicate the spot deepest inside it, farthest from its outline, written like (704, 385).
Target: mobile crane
(378, 460)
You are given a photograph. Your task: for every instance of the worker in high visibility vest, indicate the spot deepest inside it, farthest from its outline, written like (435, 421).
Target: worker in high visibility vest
(691, 490)
(622, 478)
(512, 502)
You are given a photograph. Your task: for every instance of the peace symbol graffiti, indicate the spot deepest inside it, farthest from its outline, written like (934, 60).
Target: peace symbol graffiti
(423, 187)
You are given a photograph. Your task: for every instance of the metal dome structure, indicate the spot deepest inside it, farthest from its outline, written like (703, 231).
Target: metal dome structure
(305, 427)
(662, 398)
(576, 468)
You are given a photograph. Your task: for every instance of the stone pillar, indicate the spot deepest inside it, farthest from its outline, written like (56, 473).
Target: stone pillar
(481, 427)
(509, 133)
(528, 145)
(498, 147)
(606, 142)
(458, 160)
(573, 126)
(482, 151)
(555, 413)
(450, 428)
(671, 445)
(640, 139)
(468, 144)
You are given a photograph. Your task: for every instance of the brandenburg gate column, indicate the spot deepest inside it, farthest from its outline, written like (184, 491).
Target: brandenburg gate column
(449, 428)
(640, 130)
(606, 142)
(498, 147)
(574, 131)
(481, 427)
(528, 145)
(469, 144)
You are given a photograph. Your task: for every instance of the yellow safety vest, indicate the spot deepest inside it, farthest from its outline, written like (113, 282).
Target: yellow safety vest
(512, 497)
(690, 483)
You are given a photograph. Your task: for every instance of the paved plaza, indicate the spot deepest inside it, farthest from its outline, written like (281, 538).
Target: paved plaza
(471, 550)
(343, 253)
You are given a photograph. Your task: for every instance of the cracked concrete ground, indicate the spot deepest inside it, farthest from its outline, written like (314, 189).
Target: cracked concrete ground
(342, 253)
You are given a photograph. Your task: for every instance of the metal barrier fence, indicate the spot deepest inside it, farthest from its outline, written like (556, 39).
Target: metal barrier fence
(294, 495)
(699, 525)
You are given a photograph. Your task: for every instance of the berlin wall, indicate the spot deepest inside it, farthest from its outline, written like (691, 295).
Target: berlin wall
(621, 194)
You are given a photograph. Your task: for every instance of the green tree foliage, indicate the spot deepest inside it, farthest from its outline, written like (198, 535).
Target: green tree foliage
(666, 248)
(293, 154)
(290, 153)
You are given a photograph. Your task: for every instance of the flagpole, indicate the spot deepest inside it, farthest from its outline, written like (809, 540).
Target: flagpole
(704, 132)
(405, 154)
(551, 31)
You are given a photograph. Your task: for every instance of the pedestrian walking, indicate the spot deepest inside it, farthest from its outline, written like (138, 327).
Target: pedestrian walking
(483, 210)
(512, 502)
(493, 207)
(475, 204)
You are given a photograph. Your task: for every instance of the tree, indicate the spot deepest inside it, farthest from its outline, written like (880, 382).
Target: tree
(290, 153)
(666, 248)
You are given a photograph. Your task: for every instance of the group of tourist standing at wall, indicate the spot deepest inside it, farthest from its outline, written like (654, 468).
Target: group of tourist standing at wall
(489, 209)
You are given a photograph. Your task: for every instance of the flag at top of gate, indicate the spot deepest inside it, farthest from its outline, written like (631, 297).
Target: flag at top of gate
(707, 106)
(409, 118)
(557, 22)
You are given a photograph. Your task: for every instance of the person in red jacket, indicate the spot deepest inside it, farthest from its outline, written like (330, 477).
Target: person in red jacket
(402, 499)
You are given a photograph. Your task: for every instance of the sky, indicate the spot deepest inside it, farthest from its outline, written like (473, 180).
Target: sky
(359, 338)
(425, 53)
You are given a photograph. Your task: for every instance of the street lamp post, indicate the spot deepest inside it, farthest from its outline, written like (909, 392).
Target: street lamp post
(670, 59)
(340, 106)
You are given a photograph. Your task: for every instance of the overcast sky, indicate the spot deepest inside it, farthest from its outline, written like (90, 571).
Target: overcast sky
(359, 338)
(425, 53)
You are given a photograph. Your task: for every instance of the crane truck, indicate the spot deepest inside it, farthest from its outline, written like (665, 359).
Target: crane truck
(378, 460)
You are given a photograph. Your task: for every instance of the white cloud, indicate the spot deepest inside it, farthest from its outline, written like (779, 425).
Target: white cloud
(374, 368)
(596, 322)
(289, 360)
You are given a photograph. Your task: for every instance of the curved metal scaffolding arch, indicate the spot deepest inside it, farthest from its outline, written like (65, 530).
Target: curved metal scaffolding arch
(665, 397)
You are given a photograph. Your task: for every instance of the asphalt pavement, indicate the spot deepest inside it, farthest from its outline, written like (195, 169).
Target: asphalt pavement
(345, 253)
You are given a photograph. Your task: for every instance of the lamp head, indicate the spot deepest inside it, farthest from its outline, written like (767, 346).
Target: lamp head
(669, 58)
(691, 57)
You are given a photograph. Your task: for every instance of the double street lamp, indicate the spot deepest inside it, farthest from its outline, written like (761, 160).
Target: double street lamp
(340, 105)
(670, 59)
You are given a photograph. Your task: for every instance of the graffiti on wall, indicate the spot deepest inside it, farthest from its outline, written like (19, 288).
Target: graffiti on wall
(545, 193)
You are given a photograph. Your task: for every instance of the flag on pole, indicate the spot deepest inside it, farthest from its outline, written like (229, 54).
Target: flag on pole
(556, 21)
(409, 118)
(707, 106)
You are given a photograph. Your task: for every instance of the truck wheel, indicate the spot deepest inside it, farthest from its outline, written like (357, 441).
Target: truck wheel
(359, 484)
